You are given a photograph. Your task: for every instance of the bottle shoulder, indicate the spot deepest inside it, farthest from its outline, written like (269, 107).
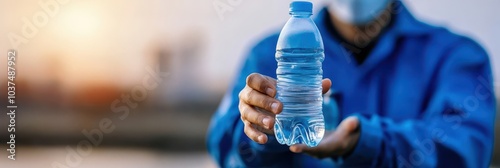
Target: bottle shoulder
(300, 33)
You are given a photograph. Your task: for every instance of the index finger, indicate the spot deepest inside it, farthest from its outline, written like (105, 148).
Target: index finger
(261, 83)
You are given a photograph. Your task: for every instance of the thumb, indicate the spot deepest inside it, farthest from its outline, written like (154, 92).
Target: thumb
(350, 124)
(326, 84)
(298, 148)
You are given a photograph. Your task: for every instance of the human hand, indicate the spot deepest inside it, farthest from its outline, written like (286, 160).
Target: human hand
(337, 143)
(258, 106)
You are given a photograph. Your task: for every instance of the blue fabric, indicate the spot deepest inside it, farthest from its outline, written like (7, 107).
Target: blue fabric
(424, 98)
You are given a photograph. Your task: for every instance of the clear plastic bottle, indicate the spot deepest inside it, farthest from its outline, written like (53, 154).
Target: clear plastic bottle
(299, 54)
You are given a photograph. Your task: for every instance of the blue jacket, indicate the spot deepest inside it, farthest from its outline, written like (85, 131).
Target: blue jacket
(424, 98)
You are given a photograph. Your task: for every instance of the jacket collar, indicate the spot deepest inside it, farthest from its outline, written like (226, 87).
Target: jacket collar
(403, 25)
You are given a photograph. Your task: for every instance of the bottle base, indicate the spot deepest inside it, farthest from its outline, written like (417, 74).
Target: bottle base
(290, 131)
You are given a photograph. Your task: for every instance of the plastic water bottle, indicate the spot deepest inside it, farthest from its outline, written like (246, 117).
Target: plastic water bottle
(299, 54)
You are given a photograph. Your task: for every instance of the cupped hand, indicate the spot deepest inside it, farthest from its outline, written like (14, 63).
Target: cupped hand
(337, 143)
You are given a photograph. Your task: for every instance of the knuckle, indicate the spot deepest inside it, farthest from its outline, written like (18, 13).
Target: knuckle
(263, 86)
(257, 81)
(242, 119)
(251, 96)
(243, 93)
(251, 77)
(254, 118)
(244, 112)
(246, 123)
(246, 131)
(266, 103)
(240, 106)
(259, 119)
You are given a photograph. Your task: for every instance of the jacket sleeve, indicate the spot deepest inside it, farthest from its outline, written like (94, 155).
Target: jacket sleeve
(455, 130)
(226, 141)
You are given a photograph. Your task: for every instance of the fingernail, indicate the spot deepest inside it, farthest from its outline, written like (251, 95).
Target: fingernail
(261, 138)
(269, 91)
(267, 122)
(295, 149)
(274, 107)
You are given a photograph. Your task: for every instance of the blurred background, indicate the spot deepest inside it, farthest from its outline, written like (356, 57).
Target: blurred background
(84, 59)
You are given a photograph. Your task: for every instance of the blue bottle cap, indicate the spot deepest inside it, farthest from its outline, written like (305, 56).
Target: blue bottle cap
(301, 6)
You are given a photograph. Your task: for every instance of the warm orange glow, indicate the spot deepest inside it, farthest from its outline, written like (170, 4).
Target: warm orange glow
(78, 21)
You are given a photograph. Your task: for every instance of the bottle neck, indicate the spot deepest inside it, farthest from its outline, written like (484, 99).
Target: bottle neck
(301, 14)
